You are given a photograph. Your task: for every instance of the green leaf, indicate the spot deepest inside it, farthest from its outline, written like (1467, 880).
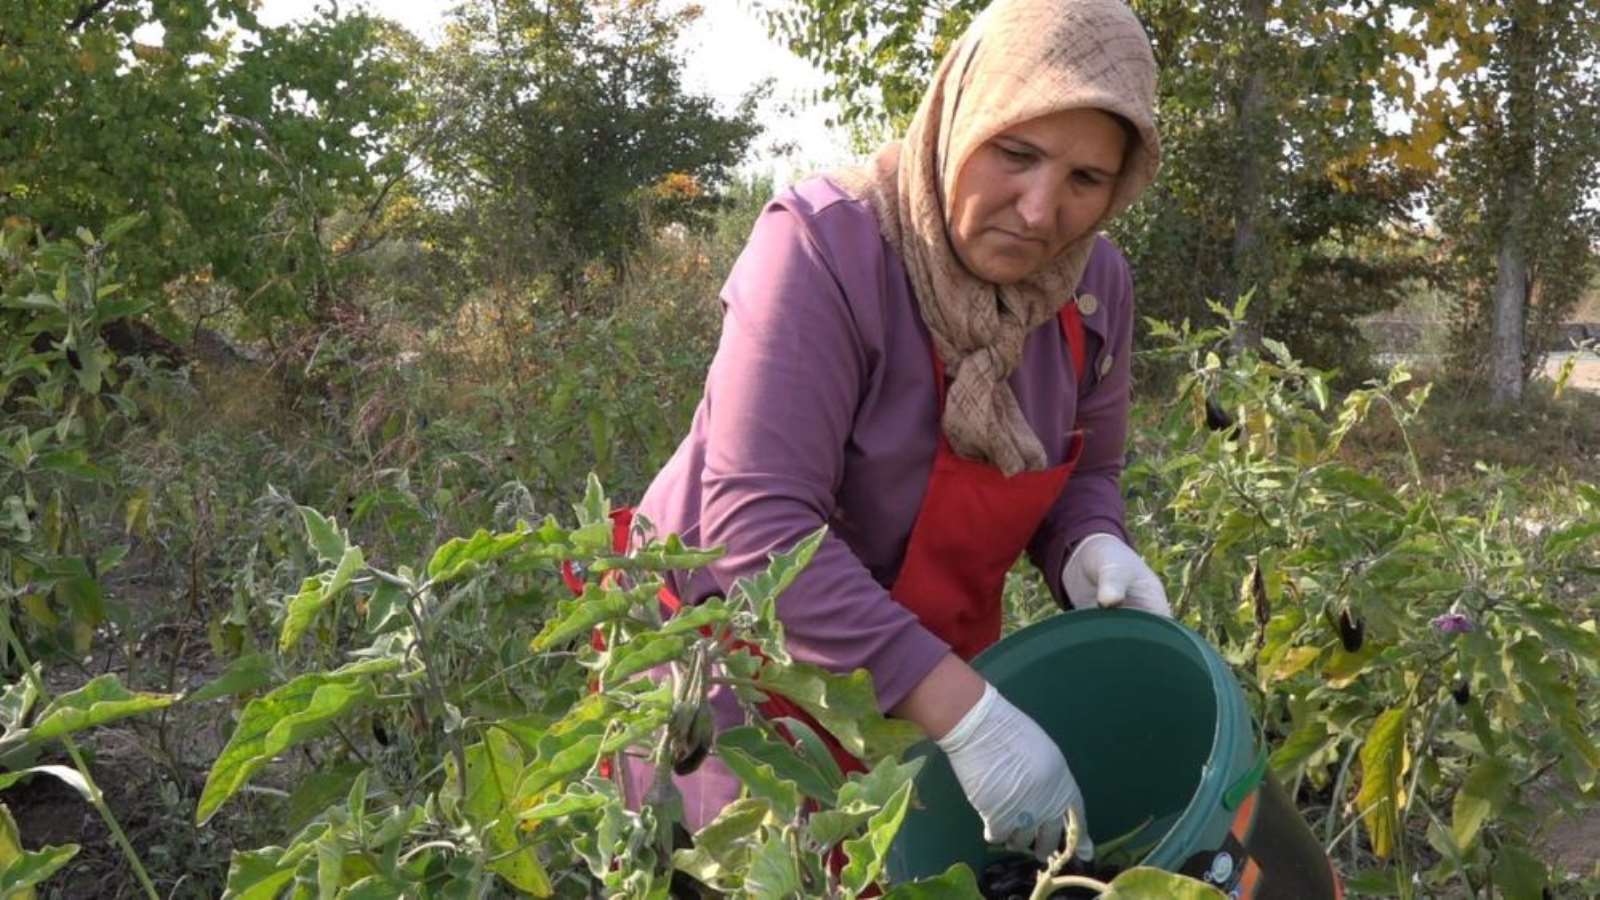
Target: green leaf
(580, 615)
(956, 883)
(460, 555)
(764, 588)
(830, 826)
(294, 713)
(845, 705)
(762, 781)
(494, 767)
(561, 754)
(300, 610)
(18, 700)
(34, 866)
(643, 652)
(1319, 390)
(878, 785)
(258, 875)
(317, 790)
(1349, 482)
(784, 759)
(867, 853)
(659, 555)
(330, 866)
(121, 226)
(244, 674)
(714, 611)
(1305, 742)
(813, 750)
(1384, 760)
(1563, 541)
(323, 534)
(1145, 883)
(1484, 792)
(315, 595)
(565, 804)
(595, 508)
(102, 700)
(21, 869)
(71, 776)
(774, 870)
(738, 822)
(386, 602)
(1519, 874)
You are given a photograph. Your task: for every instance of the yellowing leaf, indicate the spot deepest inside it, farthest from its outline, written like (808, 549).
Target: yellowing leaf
(102, 700)
(1384, 761)
(1293, 661)
(1144, 883)
(1343, 667)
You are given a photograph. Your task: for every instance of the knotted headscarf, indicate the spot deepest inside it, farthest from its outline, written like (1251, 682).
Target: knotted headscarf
(1018, 61)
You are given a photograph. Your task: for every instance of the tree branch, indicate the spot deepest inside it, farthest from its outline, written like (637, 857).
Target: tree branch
(87, 12)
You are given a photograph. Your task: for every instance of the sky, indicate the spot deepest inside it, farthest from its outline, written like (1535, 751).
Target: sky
(725, 53)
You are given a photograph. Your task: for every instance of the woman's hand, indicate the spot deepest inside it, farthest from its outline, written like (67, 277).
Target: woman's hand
(1011, 771)
(1015, 777)
(1104, 571)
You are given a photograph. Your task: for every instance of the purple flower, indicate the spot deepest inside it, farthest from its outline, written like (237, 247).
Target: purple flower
(1453, 623)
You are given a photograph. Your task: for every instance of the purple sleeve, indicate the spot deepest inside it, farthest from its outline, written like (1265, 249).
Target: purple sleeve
(781, 397)
(1092, 501)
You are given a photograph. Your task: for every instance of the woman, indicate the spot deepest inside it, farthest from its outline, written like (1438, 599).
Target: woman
(931, 356)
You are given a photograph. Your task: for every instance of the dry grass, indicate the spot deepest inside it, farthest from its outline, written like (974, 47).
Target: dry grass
(1556, 437)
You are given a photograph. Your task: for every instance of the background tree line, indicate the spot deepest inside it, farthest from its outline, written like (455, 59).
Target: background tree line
(1328, 159)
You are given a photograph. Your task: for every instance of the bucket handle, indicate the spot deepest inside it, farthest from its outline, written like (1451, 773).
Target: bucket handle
(1247, 783)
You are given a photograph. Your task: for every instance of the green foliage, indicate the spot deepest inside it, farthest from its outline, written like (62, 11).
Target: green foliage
(236, 141)
(1411, 650)
(495, 789)
(557, 120)
(59, 395)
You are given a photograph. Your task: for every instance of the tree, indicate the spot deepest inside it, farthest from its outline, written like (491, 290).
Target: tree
(565, 117)
(1518, 202)
(237, 140)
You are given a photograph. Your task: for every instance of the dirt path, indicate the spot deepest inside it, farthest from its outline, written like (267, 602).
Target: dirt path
(1585, 374)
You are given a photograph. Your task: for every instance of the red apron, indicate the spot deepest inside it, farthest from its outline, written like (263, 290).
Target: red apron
(973, 524)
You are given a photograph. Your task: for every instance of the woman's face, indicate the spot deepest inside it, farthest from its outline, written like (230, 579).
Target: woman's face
(1031, 190)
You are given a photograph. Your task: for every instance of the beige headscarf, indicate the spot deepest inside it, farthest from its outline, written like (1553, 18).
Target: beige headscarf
(1019, 60)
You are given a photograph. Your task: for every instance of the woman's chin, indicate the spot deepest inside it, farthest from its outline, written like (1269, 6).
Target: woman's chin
(1005, 270)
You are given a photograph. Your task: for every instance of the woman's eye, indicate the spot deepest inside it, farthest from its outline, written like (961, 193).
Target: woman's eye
(1014, 154)
(1087, 179)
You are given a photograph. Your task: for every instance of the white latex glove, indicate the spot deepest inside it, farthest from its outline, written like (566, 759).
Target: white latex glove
(1104, 571)
(1015, 777)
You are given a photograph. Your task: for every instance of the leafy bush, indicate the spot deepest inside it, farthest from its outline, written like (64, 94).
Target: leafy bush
(1423, 659)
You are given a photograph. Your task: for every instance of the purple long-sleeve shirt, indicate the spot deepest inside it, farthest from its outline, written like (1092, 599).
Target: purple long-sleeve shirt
(819, 407)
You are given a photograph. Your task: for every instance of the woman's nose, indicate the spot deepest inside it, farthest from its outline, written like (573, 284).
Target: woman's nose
(1038, 204)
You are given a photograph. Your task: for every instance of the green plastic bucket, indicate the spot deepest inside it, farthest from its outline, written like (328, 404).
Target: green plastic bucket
(1155, 727)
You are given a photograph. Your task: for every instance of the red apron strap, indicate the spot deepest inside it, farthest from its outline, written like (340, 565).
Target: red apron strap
(1077, 338)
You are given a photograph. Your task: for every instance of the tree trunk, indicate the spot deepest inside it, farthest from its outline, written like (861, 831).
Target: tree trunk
(1511, 280)
(1506, 335)
(1252, 141)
